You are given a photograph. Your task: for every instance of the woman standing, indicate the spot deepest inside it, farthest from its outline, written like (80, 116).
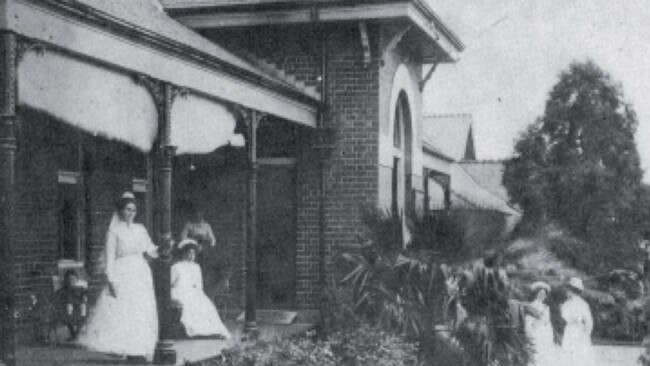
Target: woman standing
(538, 326)
(199, 316)
(199, 230)
(125, 320)
(576, 342)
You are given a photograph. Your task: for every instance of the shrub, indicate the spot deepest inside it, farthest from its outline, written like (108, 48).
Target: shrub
(370, 346)
(362, 346)
(410, 291)
(491, 330)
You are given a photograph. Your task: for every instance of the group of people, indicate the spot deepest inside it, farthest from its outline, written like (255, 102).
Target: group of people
(575, 347)
(124, 320)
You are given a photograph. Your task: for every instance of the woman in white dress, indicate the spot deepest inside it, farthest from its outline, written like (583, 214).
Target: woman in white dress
(199, 315)
(124, 320)
(576, 341)
(539, 328)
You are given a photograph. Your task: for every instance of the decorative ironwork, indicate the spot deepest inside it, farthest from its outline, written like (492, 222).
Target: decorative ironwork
(155, 88)
(168, 153)
(27, 44)
(178, 91)
(8, 133)
(243, 112)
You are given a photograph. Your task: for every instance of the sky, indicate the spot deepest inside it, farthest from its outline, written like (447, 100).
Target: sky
(515, 50)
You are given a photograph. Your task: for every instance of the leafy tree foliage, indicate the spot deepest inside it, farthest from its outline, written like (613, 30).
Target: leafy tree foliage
(578, 164)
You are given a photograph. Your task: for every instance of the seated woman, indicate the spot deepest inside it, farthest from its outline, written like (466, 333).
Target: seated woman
(199, 315)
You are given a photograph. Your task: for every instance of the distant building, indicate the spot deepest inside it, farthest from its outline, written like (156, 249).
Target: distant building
(456, 179)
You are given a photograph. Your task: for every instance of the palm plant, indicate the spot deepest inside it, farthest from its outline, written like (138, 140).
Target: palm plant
(412, 291)
(396, 290)
(491, 324)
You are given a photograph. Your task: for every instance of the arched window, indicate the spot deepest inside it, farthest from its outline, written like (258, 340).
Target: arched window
(400, 158)
(401, 178)
(397, 127)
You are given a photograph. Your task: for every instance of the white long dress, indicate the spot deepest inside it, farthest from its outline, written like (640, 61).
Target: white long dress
(199, 315)
(128, 323)
(576, 341)
(540, 333)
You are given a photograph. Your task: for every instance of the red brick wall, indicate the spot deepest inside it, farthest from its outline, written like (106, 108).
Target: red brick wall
(35, 244)
(44, 148)
(352, 172)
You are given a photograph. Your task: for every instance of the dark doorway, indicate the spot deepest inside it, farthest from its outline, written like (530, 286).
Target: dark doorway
(276, 235)
(69, 223)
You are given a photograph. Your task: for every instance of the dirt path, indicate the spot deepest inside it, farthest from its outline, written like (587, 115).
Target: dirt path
(618, 355)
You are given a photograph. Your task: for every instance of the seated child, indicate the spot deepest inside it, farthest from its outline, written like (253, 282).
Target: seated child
(71, 303)
(39, 316)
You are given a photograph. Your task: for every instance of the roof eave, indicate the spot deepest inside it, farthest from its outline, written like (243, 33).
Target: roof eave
(416, 11)
(451, 35)
(437, 154)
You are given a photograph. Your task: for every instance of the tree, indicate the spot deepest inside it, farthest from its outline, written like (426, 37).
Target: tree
(578, 164)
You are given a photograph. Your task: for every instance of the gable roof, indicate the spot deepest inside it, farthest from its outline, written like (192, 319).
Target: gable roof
(450, 134)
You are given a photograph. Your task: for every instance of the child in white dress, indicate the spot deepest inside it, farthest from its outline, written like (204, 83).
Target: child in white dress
(199, 315)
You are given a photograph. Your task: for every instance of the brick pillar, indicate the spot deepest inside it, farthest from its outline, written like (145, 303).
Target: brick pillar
(8, 146)
(324, 145)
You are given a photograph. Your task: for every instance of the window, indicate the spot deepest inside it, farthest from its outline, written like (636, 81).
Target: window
(401, 179)
(395, 187)
(397, 127)
(425, 184)
(70, 215)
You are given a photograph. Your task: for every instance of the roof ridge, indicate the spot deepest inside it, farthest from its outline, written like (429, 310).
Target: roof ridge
(445, 115)
(482, 161)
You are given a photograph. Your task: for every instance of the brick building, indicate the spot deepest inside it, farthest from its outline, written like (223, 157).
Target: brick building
(369, 60)
(284, 120)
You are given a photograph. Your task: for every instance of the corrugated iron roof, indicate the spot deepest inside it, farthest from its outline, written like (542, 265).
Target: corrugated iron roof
(463, 185)
(489, 175)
